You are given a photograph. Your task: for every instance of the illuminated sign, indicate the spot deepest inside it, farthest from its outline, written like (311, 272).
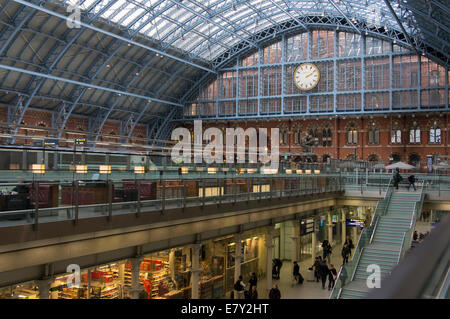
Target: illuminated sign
(50, 142)
(306, 226)
(80, 141)
(355, 222)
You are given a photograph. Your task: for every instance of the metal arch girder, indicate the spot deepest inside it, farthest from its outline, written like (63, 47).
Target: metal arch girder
(290, 26)
(307, 20)
(54, 98)
(164, 84)
(213, 23)
(192, 26)
(113, 35)
(164, 124)
(413, 10)
(289, 14)
(400, 25)
(7, 67)
(55, 61)
(345, 16)
(71, 109)
(144, 66)
(23, 20)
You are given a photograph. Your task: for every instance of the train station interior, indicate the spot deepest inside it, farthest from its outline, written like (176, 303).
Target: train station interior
(189, 149)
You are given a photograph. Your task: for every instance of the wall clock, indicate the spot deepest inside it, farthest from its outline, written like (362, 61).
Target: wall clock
(306, 76)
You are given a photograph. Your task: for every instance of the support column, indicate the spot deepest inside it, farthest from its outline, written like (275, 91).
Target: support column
(313, 243)
(343, 225)
(135, 272)
(355, 235)
(330, 228)
(195, 270)
(44, 288)
(89, 283)
(295, 237)
(122, 279)
(237, 256)
(269, 245)
(172, 264)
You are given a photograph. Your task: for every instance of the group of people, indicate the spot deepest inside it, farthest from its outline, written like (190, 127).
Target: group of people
(398, 178)
(420, 236)
(323, 272)
(239, 288)
(240, 291)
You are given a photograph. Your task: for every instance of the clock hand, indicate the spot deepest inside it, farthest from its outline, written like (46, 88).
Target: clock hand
(309, 75)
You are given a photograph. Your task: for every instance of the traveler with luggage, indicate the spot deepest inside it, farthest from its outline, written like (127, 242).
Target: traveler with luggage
(239, 287)
(332, 277)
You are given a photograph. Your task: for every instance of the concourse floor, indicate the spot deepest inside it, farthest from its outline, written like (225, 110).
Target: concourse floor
(308, 290)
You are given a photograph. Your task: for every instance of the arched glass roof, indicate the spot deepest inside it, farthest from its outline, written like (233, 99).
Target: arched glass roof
(205, 29)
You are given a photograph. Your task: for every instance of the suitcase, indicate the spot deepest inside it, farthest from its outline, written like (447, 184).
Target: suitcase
(311, 275)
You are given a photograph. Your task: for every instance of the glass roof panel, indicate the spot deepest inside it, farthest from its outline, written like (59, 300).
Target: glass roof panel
(237, 21)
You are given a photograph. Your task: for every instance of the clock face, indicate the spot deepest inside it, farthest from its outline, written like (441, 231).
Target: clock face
(306, 76)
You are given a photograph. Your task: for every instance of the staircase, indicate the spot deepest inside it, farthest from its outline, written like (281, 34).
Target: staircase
(389, 237)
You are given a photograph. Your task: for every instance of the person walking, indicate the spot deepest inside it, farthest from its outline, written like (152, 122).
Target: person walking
(296, 272)
(253, 281)
(323, 270)
(332, 275)
(275, 293)
(239, 287)
(397, 178)
(329, 252)
(278, 265)
(325, 248)
(316, 268)
(411, 180)
(349, 243)
(415, 235)
(345, 254)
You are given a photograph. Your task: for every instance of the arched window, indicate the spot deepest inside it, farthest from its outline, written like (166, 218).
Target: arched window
(284, 136)
(396, 157)
(396, 134)
(352, 134)
(373, 134)
(414, 134)
(373, 158)
(435, 133)
(414, 159)
(297, 135)
(326, 137)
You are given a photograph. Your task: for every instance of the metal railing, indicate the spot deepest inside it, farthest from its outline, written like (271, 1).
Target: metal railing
(365, 239)
(240, 189)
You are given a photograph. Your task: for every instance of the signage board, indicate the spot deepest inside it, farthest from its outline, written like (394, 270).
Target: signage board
(306, 226)
(50, 142)
(355, 222)
(80, 141)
